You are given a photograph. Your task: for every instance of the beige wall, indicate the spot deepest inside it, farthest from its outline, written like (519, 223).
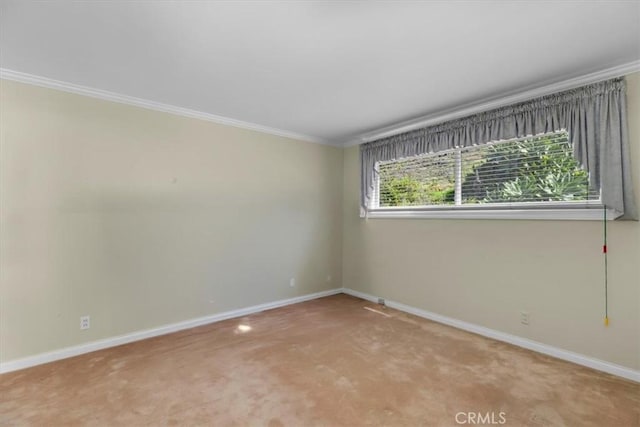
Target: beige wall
(140, 218)
(487, 271)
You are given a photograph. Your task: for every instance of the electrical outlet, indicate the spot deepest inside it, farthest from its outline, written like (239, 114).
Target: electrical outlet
(292, 282)
(328, 278)
(524, 317)
(381, 301)
(85, 322)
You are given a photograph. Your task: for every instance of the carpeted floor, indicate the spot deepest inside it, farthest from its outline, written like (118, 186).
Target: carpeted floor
(327, 362)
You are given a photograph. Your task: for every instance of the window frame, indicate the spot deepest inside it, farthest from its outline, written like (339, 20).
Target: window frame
(552, 210)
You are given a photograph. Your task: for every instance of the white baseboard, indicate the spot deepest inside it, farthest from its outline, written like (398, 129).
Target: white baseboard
(63, 353)
(601, 365)
(549, 350)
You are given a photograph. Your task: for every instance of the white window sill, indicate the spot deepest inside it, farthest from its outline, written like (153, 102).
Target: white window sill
(581, 214)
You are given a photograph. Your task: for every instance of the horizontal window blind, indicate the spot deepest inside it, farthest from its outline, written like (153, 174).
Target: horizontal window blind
(532, 170)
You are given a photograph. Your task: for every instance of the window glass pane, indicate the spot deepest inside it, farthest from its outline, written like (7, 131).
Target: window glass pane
(529, 170)
(417, 181)
(538, 169)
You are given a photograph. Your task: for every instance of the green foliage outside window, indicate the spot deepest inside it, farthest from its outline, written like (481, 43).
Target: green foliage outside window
(408, 191)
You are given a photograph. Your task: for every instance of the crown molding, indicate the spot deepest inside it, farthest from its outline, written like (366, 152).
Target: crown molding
(486, 104)
(46, 82)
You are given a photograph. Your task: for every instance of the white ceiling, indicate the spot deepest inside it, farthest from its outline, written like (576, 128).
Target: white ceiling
(330, 70)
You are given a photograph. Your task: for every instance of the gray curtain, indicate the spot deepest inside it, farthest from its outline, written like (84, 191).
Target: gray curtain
(595, 117)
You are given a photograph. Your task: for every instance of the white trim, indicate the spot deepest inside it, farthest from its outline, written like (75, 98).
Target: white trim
(486, 104)
(559, 353)
(405, 126)
(549, 350)
(31, 79)
(528, 214)
(38, 359)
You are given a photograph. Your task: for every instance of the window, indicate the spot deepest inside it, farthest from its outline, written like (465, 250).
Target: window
(533, 172)
(516, 176)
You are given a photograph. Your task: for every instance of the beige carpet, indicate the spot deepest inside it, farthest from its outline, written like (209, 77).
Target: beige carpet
(328, 362)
